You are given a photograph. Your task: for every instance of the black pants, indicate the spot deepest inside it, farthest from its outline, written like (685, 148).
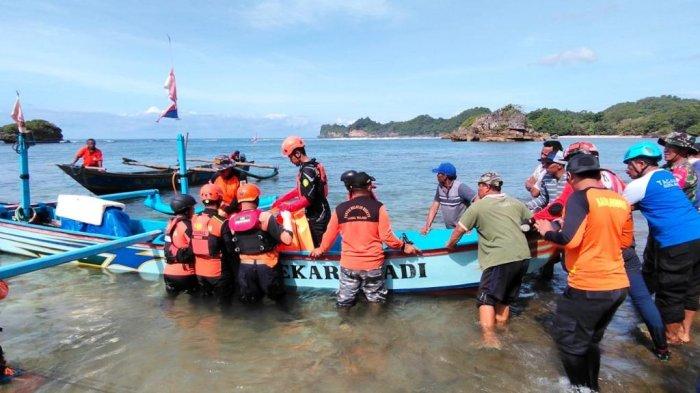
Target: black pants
(673, 273)
(176, 284)
(579, 325)
(257, 280)
(318, 228)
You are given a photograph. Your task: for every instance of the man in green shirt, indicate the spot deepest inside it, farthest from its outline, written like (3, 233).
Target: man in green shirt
(503, 251)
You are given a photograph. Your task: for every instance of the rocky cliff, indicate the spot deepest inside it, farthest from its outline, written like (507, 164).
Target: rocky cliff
(504, 125)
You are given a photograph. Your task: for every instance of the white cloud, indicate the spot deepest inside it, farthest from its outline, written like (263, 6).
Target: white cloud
(579, 55)
(278, 13)
(275, 116)
(153, 109)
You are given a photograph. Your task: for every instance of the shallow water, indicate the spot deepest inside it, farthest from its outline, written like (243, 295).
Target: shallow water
(79, 329)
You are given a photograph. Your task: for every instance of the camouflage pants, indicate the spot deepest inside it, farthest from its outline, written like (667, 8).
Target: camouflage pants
(372, 283)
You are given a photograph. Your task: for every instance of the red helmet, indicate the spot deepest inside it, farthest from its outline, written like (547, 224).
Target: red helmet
(210, 192)
(291, 143)
(247, 193)
(580, 147)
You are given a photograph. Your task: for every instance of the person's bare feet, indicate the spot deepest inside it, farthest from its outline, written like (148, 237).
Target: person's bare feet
(490, 340)
(683, 336)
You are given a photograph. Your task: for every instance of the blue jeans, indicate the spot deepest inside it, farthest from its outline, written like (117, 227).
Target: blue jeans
(641, 298)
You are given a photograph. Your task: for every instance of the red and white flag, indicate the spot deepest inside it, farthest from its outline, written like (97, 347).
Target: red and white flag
(18, 116)
(169, 85)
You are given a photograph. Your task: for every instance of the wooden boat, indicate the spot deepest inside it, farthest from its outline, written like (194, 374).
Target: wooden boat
(104, 182)
(436, 270)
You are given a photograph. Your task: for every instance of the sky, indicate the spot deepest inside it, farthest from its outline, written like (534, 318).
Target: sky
(276, 67)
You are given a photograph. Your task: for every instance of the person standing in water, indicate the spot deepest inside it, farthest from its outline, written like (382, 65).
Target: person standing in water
(253, 235)
(91, 155)
(503, 251)
(311, 191)
(672, 269)
(179, 274)
(452, 197)
(365, 227)
(597, 226)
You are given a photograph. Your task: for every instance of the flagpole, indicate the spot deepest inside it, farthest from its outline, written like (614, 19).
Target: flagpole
(23, 151)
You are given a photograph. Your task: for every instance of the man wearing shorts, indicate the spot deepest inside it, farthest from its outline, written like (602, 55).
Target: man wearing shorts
(365, 226)
(503, 251)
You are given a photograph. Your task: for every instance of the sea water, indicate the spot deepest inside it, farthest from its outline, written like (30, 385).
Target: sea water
(80, 329)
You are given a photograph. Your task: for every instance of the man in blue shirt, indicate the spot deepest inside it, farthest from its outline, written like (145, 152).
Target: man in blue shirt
(673, 270)
(452, 197)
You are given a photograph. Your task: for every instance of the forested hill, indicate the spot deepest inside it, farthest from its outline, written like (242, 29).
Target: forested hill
(648, 116)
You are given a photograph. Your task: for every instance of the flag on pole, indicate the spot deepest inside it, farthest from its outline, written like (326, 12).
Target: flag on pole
(170, 86)
(18, 116)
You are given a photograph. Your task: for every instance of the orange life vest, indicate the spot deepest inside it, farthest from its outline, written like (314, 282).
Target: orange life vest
(229, 187)
(176, 239)
(207, 261)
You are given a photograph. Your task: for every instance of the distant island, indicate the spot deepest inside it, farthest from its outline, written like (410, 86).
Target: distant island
(651, 116)
(42, 132)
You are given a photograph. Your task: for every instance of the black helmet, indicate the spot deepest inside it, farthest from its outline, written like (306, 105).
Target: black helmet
(180, 203)
(583, 163)
(347, 175)
(359, 180)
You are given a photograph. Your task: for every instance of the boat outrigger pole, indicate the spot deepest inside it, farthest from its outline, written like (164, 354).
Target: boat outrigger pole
(182, 161)
(19, 268)
(23, 150)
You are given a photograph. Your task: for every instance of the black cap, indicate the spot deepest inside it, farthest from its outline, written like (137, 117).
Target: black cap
(583, 163)
(180, 203)
(358, 180)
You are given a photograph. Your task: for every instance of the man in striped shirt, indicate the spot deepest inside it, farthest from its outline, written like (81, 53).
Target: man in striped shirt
(552, 183)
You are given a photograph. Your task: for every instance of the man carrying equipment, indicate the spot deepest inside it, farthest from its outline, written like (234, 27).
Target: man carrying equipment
(311, 191)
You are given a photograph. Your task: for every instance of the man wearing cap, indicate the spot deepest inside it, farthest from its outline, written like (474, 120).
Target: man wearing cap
(552, 183)
(227, 179)
(365, 227)
(678, 146)
(452, 197)
(597, 226)
(532, 184)
(503, 251)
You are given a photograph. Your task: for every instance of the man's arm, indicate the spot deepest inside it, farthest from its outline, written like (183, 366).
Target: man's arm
(283, 233)
(79, 154)
(465, 224)
(537, 203)
(329, 237)
(432, 212)
(307, 191)
(571, 234)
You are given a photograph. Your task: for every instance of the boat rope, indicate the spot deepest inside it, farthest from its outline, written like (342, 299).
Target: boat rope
(173, 182)
(19, 215)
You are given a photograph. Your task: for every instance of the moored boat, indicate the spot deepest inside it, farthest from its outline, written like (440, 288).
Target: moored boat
(105, 182)
(436, 269)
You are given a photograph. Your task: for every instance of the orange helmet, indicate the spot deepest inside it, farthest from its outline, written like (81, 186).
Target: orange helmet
(210, 192)
(291, 143)
(247, 193)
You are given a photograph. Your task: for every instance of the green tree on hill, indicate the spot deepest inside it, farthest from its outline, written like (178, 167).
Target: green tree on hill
(42, 131)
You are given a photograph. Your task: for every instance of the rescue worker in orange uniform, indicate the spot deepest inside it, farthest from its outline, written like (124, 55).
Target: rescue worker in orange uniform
(253, 234)
(365, 226)
(212, 264)
(227, 178)
(311, 191)
(179, 274)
